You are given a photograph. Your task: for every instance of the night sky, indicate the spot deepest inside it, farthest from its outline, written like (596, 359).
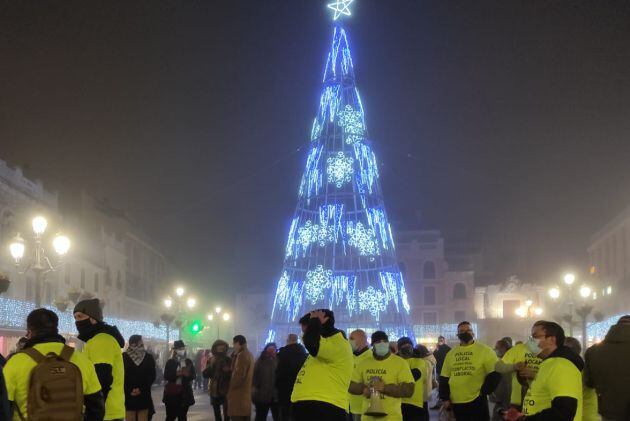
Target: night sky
(509, 120)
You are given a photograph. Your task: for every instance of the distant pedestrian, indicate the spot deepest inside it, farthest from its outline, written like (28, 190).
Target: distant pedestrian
(502, 394)
(413, 407)
(264, 393)
(179, 374)
(239, 395)
(291, 357)
(361, 351)
(218, 371)
(440, 354)
(103, 346)
(139, 376)
(608, 371)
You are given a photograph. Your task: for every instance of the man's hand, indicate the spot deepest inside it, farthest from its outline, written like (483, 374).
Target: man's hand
(512, 414)
(378, 384)
(135, 392)
(527, 373)
(520, 365)
(319, 314)
(446, 405)
(366, 392)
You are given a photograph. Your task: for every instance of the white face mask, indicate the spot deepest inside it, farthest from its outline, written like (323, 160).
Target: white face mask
(534, 346)
(381, 348)
(181, 352)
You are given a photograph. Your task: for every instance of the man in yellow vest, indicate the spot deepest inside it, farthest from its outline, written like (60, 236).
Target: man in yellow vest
(468, 377)
(361, 351)
(321, 387)
(413, 408)
(556, 392)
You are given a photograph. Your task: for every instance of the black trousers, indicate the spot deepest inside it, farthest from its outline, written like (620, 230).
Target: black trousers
(476, 410)
(413, 413)
(262, 409)
(176, 412)
(317, 411)
(285, 411)
(217, 403)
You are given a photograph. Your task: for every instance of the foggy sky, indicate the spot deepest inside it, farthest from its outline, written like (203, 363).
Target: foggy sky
(508, 119)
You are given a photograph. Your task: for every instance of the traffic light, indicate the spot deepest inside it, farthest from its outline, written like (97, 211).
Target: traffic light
(195, 327)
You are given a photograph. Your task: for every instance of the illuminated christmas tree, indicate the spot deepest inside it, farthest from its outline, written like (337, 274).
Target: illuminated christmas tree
(340, 252)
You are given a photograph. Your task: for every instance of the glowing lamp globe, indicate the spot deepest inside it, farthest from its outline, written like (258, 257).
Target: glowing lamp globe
(217, 310)
(569, 279)
(521, 312)
(168, 303)
(17, 248)
(210, 317)
(538, 311)
(39, 225)
(554, 293)
(226, 316)
(585, 291)
(191, 302)
(179, 291)
(61, 244)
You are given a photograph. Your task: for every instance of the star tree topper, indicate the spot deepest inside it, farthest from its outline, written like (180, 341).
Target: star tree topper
(340, 7)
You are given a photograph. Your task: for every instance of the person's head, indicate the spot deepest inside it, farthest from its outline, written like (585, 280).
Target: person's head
(441, 340)
(270, 350)
(405, 347)
(41, 322)
(304, 321)
(136, 341)
(624, 320)
(88, 310)
(501, 347)
(219, 347)
(422, 351)
(358, 340)
(547, 336)
(573, 344)
(380, 344)
(508, 340)
(465, 333)
(239, 342)
(179, 348)
(292, 338)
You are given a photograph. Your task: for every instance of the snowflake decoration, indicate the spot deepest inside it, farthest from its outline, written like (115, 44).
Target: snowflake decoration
(339, 169)
(352, 123)
(325, 233)
(363, 239)
(372, 300)
(316, 282)
(313, 233)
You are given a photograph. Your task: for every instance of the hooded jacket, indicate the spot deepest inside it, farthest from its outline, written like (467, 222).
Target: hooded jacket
(103, 346)
(608, 372)
(218, 371)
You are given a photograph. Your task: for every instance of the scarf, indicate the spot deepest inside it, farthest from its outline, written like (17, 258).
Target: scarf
(136, 352)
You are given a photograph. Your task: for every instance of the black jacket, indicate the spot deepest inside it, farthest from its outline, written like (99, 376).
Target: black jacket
(139, 377)
(187, 397)
(608, 372)
(440, 354)
(290, 361)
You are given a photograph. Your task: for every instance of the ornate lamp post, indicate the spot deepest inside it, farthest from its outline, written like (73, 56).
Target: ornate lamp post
(38, 261)
(583, 311)
(175, 308)
(218, 316)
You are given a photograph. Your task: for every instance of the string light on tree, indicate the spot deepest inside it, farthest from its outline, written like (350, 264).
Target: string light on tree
(339, 169)
(341, 8)
(363, 239)
(317, 281)
(351, 122)
(372, 300)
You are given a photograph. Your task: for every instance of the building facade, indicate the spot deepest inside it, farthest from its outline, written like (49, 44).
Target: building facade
(437, 294)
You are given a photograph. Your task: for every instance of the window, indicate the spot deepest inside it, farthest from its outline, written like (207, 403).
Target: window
(459, 291)
(96, 280)
(82, 278)
(429, 296)
(460, 316)
(428, 270)
(430, 318)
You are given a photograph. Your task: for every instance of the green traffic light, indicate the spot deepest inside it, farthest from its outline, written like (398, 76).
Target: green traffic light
(195, 327)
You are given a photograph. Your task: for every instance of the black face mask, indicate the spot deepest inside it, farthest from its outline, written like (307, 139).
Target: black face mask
(465, 337)
(85, 329)
(407, 351)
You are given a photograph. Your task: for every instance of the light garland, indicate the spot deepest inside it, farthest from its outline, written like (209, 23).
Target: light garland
(317, 281)
(367, 168)
(312, 179)
(378, 222)
(351, 122)
(373, 301)
(339, 169)
(346, 67)
(363, 239)
(13, 315)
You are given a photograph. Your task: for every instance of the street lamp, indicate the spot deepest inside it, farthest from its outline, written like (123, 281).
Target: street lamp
(554, 293)
(175, 309)
(191, 302)
(529, 309)
(569, 279)
(179, 291)
(585, 291)
(39, 263)
(219, 315)
(218, 310)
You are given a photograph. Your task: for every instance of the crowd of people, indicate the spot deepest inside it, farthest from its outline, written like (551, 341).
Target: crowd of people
(329, 377)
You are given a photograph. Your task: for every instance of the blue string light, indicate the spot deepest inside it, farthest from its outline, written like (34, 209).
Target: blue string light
(339, 169)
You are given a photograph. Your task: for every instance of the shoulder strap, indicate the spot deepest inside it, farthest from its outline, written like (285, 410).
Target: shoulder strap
(34, 354)
(66, 352)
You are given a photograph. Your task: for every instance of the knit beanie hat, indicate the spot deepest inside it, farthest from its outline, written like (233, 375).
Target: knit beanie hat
(379, 336)
(404, 341)
(90, 307)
